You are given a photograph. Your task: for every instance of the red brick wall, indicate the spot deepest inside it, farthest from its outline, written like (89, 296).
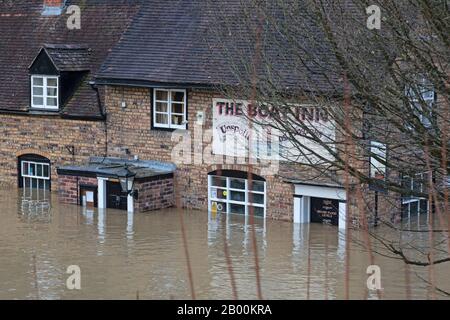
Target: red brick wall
(68, 187)
(154, 195)
(130, 128)
(51, 137)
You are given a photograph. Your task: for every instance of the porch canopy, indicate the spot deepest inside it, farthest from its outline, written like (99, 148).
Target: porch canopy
(109, 167)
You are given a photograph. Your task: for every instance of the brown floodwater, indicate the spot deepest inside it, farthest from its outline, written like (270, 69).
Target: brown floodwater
(124, 256)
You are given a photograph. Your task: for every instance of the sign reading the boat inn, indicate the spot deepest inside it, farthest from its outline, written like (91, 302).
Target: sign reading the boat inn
(234, 134)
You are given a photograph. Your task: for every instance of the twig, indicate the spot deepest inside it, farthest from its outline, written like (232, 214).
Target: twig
(186, 252)
(433, 286)
(229, 266)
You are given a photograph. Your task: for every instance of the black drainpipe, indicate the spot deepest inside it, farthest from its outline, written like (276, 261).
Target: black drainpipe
(103, 115)
(71, 150)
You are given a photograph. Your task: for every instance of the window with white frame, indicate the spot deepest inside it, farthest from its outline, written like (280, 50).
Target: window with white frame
(35, 175)
(421, 97)
(377, 160)
(169, 108)
(234, 195)
(412, 205)
(44, 92)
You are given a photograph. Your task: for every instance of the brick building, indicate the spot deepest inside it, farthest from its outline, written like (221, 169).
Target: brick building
(77, 107)
(50, 112)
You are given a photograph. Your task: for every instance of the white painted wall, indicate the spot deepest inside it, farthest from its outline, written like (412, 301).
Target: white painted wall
(320, 192)
(342, 215)
(297, 210)
(101, 193)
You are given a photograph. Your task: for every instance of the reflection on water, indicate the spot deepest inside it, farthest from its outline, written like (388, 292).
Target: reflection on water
(35, 205)
(124, 256)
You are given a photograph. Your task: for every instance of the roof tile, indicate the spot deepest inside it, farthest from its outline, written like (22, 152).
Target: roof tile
(24, 31)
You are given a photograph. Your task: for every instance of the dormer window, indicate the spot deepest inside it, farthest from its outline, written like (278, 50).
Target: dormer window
(55, 74)
(44, 92)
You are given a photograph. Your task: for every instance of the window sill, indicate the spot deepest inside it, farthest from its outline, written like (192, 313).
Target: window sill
(39, 111)
(167, 129)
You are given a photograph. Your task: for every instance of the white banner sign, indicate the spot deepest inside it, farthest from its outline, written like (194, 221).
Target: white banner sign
(262, 138)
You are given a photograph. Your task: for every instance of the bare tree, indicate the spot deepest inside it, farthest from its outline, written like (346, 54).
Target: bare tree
(383, 88)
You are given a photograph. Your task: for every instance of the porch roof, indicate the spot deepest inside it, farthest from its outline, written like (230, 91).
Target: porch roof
(112, 167)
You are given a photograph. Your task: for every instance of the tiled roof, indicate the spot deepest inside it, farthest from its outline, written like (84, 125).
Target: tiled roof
(183, 42)
(69, 57)
(169, 42)
(24, 31)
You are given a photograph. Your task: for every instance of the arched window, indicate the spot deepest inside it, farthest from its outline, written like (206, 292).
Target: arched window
(34, 172)
(230, 191)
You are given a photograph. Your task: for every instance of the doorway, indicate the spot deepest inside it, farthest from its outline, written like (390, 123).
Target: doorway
(116, 198)
(322, 204)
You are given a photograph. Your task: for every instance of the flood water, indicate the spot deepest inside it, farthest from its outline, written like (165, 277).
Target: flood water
(124, 256)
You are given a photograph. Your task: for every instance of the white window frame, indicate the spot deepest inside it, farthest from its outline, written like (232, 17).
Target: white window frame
(228, 201)
(411, 199)
(427, 96)
(44, 95)
(379, 150)
(45, 180)
(169, 112)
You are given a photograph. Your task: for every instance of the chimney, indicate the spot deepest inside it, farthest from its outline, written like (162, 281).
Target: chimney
(53, 3)
(53, 7)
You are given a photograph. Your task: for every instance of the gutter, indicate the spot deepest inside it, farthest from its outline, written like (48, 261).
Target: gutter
(28, 113)
(151, 84)
(315, 184)
(183, 85)
(85, 118)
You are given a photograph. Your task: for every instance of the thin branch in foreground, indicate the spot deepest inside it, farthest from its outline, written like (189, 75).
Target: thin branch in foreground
(229, 265)
(186, 252)
(446, 293)
(392, 226)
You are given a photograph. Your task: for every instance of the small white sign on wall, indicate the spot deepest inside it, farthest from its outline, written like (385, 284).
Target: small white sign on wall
(90, 196)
